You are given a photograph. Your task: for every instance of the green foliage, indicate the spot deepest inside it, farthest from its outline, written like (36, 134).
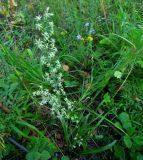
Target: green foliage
(127, 141)
(124, 118)
(99, 150)
(40, 149)
(101, 43)
(2, 145)
(65, 158)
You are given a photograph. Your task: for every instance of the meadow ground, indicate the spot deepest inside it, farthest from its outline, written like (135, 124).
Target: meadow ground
(71, 80)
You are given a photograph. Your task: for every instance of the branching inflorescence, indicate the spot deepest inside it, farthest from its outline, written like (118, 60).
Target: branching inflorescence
(54, 95)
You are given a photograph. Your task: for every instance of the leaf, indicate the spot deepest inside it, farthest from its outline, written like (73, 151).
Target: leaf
(119, 152)
(99, 150)
(139, 156)
(29, 52)
(131, 131)
(64, 125)
(138, 140)
(140, 62)
(127, 141)
(45, 155)
(71, 83)
(140, 84)
(107, 98)
(105, 41)
(65, 158)
(18, 131)
(118, 125)
(33, 156)
(124, 118)
(2, 143)
(23, 123)
(127, 125)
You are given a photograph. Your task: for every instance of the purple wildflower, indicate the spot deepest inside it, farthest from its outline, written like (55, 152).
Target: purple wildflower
(78, 37)
(87, 24)
(92, 31)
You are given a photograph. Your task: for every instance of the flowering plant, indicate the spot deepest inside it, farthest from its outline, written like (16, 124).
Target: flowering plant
(51, 93)
(54, 95)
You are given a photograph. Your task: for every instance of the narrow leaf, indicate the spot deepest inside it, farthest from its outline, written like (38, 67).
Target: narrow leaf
(99, 150)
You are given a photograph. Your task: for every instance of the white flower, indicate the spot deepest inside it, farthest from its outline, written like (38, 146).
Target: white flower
(38, 18)
(39, 44)
(80, 143)
(34, 93)
(39, 26)
(52, 55)
(75, 138)
(47, 14)
(52, 76)
(47, 9)
(48, 64)
(43, 59)
(44, 101)
(54, 70)
(41, 104)
(54, 49)
(58, 64)
(52, 42)
(46, 36)
(118, 74)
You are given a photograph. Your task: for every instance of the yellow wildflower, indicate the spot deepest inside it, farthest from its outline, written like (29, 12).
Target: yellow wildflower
(90, 38)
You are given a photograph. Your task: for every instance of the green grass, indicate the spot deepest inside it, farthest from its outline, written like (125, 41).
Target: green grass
(108, 108)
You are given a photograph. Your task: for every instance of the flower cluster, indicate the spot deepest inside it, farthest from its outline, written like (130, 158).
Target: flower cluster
(52, 94)
(89, 31)
(100, 19)
(78, 140)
